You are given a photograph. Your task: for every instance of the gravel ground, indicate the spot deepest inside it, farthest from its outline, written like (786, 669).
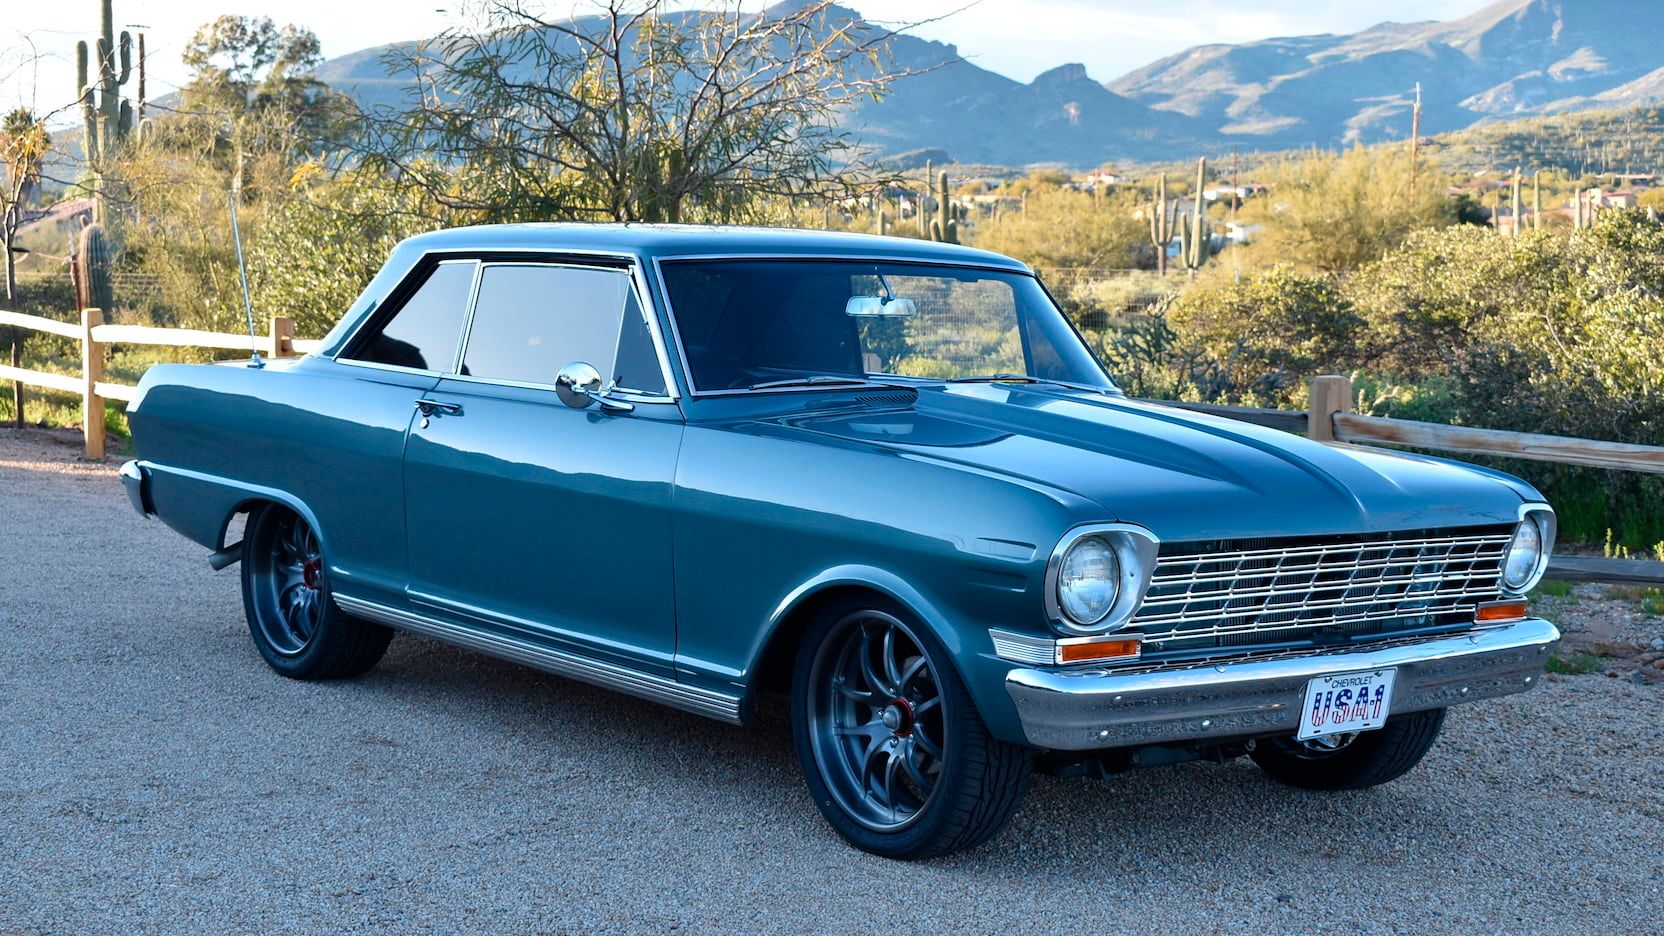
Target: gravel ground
(155, 776)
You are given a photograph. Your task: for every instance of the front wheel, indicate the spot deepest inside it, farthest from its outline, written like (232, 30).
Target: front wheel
(892, 748)
(1352, 761)
(296, 625)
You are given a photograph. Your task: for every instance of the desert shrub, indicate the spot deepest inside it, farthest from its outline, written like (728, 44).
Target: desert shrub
(1336, 212)
(316, 251)
(1267, 334)
(1561, 333)
(1061, 227)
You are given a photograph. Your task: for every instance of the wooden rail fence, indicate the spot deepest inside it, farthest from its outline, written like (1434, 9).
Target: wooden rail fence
(1328, 418)
(95, 337)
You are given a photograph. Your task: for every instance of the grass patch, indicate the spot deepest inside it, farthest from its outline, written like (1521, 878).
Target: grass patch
(1578, 664)
(1652, 602)
(1552, 588)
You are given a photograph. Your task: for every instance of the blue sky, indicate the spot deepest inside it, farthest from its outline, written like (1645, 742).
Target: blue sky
(1018, 38)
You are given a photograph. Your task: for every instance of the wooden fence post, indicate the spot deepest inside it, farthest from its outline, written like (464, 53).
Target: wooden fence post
(282, 336)
(1330, 395)
(17, 385)
(92, 373)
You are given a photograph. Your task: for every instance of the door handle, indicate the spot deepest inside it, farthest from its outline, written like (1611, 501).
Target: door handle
(434, 407)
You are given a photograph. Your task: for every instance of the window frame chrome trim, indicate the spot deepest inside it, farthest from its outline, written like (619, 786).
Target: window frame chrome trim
(1136, 548)
(634, 266)
(398, 368)
(1019, 269)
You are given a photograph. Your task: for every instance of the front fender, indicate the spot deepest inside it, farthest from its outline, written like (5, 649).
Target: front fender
(970, 647)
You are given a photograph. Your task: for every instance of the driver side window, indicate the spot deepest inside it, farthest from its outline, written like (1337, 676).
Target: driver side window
(531, 319)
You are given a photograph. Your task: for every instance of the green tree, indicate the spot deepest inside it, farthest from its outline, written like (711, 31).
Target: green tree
(315, 253)
(24, 144)
(639, 113)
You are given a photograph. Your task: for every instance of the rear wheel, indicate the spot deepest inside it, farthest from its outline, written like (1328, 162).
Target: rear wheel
(1352, 761)
(892, 748)
(295, 623)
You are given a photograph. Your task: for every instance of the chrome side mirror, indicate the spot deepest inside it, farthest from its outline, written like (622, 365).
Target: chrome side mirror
(579, 384)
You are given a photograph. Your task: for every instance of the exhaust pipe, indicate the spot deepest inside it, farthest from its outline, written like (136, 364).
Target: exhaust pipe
(226, 557)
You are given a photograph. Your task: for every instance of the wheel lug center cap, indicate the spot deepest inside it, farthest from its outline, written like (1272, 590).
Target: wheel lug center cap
(310, 571)
(898, 717)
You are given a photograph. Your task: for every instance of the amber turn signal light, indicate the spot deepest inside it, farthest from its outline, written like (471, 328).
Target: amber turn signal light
(1499, 611)
(1097, 650)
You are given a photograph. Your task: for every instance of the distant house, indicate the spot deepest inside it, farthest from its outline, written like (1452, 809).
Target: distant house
(1105, 179)
(1242, 192)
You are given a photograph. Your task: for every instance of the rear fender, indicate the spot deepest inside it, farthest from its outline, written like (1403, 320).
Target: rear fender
(200, 506)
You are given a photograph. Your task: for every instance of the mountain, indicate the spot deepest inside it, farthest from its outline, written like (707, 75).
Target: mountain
(975, 115)
(1512, 58)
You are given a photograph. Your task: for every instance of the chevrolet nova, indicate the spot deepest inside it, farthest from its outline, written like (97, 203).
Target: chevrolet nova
(883, 480)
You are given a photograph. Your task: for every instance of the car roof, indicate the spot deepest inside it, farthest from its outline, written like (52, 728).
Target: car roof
(670, 240)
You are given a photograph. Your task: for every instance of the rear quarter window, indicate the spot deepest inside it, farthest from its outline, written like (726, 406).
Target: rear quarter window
(423, 333)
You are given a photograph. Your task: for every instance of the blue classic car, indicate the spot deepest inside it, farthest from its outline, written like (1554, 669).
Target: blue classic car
(883, 480)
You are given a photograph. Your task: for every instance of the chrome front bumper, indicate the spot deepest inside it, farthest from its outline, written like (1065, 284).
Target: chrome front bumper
(1077, 710)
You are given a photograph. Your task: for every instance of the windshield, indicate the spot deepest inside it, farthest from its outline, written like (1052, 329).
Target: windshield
(756, 324)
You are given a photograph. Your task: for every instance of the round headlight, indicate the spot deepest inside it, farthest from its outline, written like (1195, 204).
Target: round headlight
(1088, 581)
(1524, 557)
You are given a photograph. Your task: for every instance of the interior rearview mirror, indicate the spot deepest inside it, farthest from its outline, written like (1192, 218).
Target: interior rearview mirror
(876, 306)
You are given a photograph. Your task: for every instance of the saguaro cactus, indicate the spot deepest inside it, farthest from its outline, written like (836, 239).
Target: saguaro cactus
(1515, 204)
(1195, 241)
(107, 115)
(1537, 200)
(94, 290)
(883, 222)
(1162, 217)
(107, 118)
(944, 228)
(1197, 245)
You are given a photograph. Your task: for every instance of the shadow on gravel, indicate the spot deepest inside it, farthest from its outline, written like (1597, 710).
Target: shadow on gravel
(1144, 820)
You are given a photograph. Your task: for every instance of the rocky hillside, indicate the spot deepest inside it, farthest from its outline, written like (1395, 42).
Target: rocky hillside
(1513, 58)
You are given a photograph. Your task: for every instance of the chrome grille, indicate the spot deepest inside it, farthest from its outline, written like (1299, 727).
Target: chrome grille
(1250, 592)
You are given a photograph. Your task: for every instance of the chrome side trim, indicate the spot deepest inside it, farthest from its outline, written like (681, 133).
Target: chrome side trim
(1047, 651)
(712, 704)
(1023, 648)
(1104, 708)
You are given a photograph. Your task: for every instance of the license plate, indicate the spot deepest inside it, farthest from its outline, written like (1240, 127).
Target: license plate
(1346, 702)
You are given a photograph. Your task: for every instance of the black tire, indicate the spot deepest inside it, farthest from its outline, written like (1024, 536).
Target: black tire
(295, 623)
(1372, 758)
(961, 798)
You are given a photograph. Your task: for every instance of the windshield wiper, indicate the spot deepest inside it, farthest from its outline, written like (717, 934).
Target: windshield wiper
(818, 380)
(998, 378)
(1025, 378)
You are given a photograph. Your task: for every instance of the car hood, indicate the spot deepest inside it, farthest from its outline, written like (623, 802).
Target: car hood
(1182, 474)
